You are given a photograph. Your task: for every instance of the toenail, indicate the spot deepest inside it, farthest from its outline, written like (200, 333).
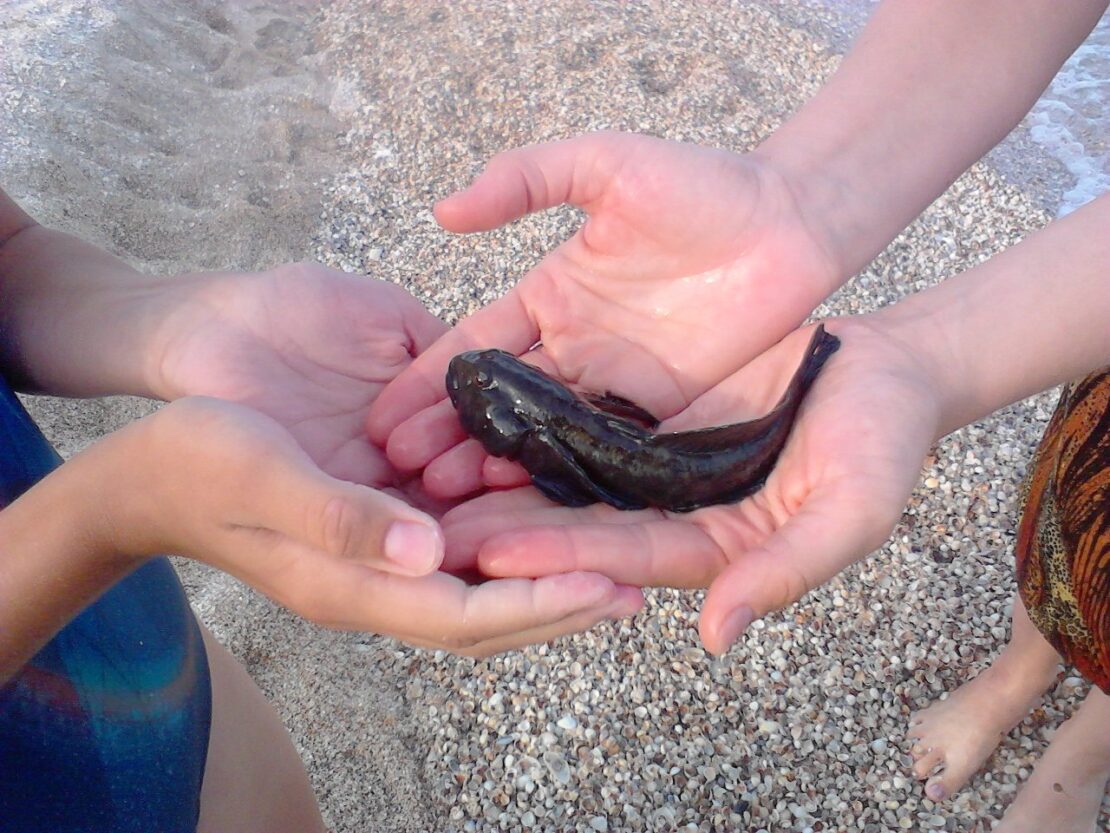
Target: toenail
(936, 792)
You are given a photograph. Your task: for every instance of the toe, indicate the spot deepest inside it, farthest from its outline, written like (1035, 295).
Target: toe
(925, 765)
(936, 789)
(957, 772)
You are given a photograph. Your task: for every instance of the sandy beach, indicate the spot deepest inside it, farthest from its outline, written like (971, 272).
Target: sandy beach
(242, 135)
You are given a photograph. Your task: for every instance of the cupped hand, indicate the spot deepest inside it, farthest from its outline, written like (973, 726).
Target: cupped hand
(691, 262)
(310, 348)
(306, 345)
(835, 494)
(229, 486)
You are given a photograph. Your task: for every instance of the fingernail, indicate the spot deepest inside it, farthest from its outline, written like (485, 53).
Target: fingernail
(736, 623)
(937, 792)
(414, 547)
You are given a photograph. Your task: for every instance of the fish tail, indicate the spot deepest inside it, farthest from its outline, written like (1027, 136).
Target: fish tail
(821, 346)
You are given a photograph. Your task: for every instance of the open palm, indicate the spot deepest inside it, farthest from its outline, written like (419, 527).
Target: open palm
(691, 262)
(311, 348)
(837, 491)
(308, 346)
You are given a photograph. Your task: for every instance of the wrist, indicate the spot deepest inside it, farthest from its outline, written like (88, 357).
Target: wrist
(858, 186)
(128, 472)
(922, 332)
(75, 318)
(917, 100)
(1024, 321)
(111, 355)
(827, 203)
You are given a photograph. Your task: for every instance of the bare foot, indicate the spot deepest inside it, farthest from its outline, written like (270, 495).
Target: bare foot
(1065, 792)
(956, 736)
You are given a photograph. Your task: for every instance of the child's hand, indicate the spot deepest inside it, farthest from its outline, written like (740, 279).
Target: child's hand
(904, 376)
(308, 346)
(311, 348)
(222, 484)
(692, 261)
(835, 494)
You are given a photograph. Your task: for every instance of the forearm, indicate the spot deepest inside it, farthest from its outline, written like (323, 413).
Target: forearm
(53, 560)
(1030, 318)
(927, 89)
(73, 318)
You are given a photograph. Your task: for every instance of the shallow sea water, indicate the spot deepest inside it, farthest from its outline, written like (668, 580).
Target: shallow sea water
(1070, 122)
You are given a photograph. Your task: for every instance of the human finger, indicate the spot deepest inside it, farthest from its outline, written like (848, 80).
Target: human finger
(424, 436)
(626, 601)
(653, 553)
(505, 324)
(504, 474)
(442, 611)
(456, 472)
(469, 525)
(830, 531)
(521, 533)
(347, 520)
(534, 178)
(423, 328)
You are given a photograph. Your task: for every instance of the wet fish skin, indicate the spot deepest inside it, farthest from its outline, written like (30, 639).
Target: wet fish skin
(582, 450)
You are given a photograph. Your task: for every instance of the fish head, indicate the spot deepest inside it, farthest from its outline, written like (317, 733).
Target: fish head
(496, 398)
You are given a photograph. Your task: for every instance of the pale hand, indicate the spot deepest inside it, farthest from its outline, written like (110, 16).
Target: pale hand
(834, 496)
(306, 345)
(692, 261)
(228, 486)
(311, 348)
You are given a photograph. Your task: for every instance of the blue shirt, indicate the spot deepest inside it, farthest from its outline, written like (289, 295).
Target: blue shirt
(106, 728)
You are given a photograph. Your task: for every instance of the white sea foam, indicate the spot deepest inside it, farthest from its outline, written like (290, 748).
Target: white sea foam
(1071, 121)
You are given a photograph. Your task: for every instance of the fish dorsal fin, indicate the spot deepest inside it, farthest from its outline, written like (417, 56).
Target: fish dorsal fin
(620, 407)
(712, 440)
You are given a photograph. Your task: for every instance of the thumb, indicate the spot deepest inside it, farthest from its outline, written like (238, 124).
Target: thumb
(534, 178)
(352, 522)
(805, 552)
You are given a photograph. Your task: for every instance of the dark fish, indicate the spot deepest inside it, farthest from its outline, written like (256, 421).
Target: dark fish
(581, 449)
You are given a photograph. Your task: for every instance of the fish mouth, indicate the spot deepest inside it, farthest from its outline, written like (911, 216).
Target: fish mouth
(460, 373)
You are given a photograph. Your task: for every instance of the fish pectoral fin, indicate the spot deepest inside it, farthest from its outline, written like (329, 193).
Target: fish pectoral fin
(618, 406)
(558, 475)
(559, 490)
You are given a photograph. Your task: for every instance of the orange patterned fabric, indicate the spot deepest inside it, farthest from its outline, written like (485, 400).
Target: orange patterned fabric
(1063, 542)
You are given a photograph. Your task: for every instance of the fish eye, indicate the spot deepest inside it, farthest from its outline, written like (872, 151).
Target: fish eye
(484, 381)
